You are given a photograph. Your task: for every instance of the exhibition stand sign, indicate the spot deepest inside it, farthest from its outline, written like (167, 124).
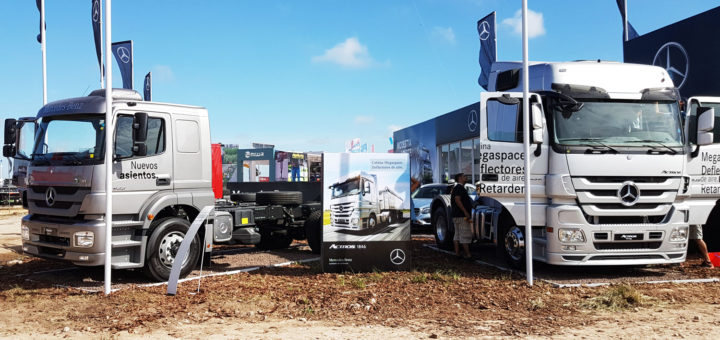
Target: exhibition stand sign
(366, 212)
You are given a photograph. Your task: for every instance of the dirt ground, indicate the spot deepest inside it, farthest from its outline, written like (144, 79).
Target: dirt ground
(443, 297)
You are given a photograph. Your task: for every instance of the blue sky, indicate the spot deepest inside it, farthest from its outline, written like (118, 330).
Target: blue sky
(306, 75)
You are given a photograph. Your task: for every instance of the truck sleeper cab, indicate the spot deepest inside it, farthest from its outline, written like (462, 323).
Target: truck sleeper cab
(607, 164)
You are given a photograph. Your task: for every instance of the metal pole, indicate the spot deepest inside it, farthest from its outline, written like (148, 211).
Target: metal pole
(102, 76)
(625, 20)
(42, 48)
(526, 145)
(108, 148)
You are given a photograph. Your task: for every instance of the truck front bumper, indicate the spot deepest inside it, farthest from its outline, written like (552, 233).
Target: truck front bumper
(611, 244)
(56, 241)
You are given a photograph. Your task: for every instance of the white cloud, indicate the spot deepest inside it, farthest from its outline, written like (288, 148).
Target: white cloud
(444, 34)
(364, 119)
(349, 53)
(162, 73)
(536, 26)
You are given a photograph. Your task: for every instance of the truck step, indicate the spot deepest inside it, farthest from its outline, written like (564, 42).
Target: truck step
(125, 265)
(127, 223)
(126, 243)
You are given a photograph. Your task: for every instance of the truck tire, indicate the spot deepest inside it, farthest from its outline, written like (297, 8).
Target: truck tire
(270, 240)
(444, 231)
(391, 218)
(511, 245)
(313, 231)
(162, 247)
(279, 198)
(243, 197)
(371, 222)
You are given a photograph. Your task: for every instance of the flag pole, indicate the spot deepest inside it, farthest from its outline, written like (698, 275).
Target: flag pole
(42, 48)
(526, 145)
(625, 20)
(108, 148)
(102, 76)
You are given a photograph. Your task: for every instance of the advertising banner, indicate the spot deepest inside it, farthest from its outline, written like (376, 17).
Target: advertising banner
(488, 47)
(685, 50)
(123, 52)
(255, 165)
(366, 212)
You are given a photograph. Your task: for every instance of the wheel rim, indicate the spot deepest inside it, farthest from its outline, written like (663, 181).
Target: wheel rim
(515, 243)
(169, 246)
(371, 222)
(441, 229)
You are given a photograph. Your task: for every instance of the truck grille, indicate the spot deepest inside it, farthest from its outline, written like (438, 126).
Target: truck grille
(67, 200)
(341, 210)
(628, 245)
(599, 198)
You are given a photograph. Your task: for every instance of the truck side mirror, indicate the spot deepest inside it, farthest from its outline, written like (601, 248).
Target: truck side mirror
(139, 149)
(10, 131)
(705, 125)
(140, 127)
(9, 150)
(537, 123)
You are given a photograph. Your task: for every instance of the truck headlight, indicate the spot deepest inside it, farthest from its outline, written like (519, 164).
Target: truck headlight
(425, 210)
(571, 235)
(84, 239)
(679, 234)
(354, 221)
(25, 232)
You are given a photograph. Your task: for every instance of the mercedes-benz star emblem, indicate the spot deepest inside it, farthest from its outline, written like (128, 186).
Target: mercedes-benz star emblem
(674, 59)
(472, 120)
(484, 29)
(629, 193)
(96, 10)
(124, 54)
(397, 256)
(50, 195)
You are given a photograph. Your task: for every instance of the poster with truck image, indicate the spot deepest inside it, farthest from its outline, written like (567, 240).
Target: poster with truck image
(366, 212)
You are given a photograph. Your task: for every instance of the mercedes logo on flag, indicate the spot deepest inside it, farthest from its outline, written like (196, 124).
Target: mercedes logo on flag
(629, 194)
(397, 257)
(472, 121)
(96, 10)
(674, 59)
(484, 29)
(123, 54)
(50, 195)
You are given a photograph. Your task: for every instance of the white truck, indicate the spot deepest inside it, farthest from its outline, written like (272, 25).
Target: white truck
(356, 202)
(703, 166)
(607, 166)
(161, 180)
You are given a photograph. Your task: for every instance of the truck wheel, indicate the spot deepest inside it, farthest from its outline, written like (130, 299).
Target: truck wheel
(313, 231)
(512, 246)
(243, 197)
(279, 197)
(444, 232)
(269, 241)
(391, 218)
(372, 221)
(164, 243)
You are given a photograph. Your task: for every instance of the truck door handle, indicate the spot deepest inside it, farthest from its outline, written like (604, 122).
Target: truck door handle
(162, 181)
(489, 177)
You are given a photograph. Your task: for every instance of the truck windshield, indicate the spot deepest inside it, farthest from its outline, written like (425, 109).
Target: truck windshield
(654, 124)
(351, 187)
(69, 140)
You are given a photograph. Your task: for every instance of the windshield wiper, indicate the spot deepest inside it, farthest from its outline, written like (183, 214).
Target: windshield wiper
(670, 150)
(600, 145)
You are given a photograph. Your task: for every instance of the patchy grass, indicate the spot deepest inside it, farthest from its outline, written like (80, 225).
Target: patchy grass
(616, 298)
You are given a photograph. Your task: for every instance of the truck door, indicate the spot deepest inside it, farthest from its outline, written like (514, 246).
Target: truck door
(703, 164)
(137, 178)
(502, 154)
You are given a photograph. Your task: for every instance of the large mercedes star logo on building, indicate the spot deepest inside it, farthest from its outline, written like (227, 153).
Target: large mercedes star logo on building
(674, 59)
(96, 10)
(397, 256)
(472, 121)
(484, 29)
(124, 54)
(629, 193)
(50, 195)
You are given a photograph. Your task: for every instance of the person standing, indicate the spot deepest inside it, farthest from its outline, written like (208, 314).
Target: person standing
(461, 207)
(696, 233)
